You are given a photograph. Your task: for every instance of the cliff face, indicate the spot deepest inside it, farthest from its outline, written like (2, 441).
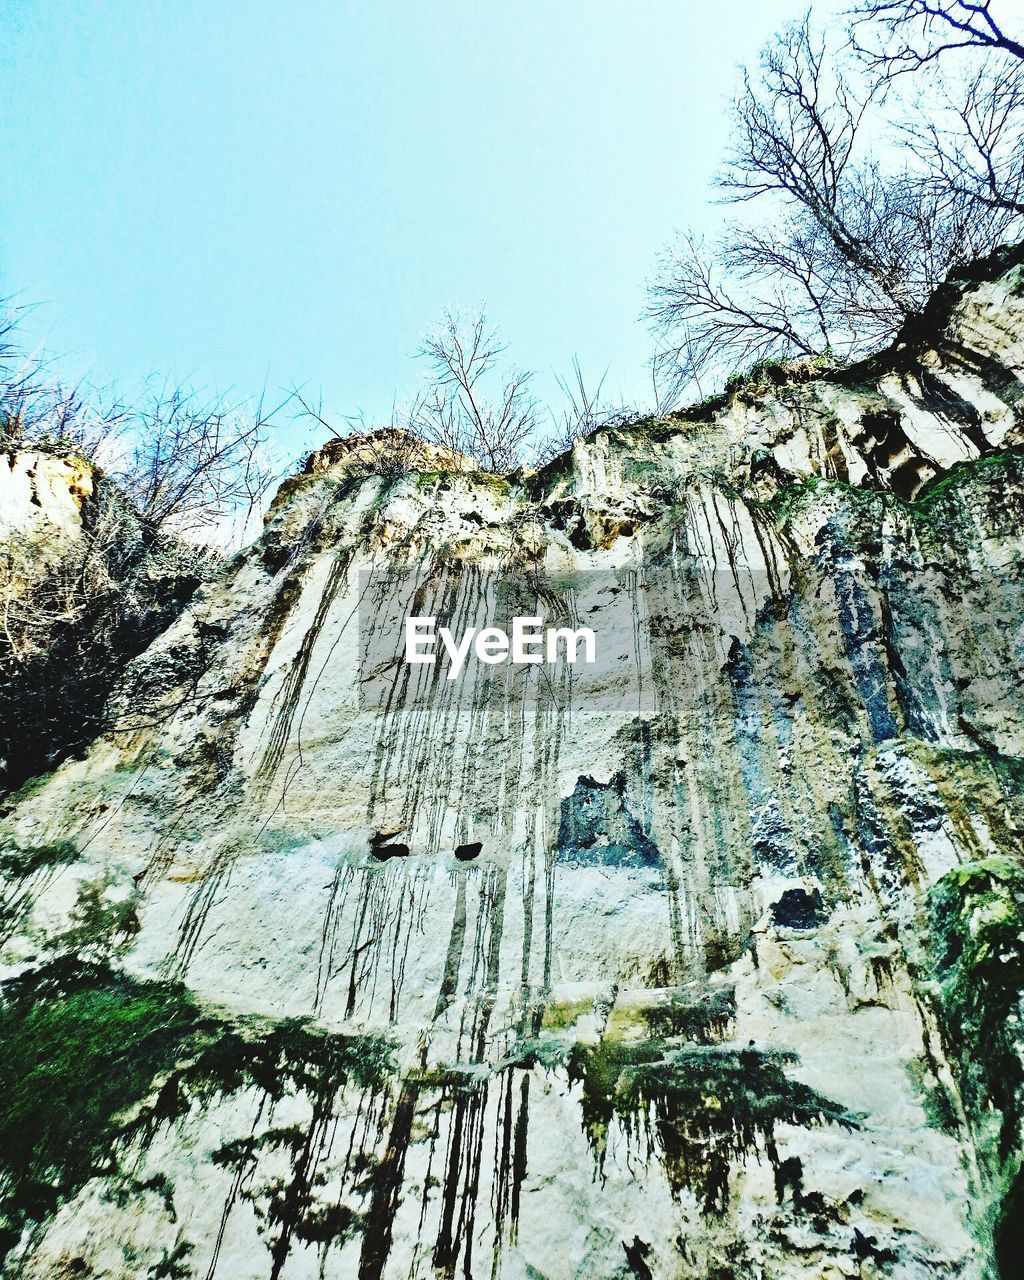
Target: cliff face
(85, 585)
(709, 967)
(41, 499)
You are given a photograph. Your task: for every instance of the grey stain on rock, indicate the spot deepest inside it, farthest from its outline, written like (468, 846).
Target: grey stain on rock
(598, 827)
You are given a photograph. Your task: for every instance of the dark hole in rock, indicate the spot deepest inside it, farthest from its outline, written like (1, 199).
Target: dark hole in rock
(789, 1175)
(798, 909)
(579, 535)
(467, 852)
(885, 431)
(384, 846)
(815, 1206)
(909, 476)
(385, 851)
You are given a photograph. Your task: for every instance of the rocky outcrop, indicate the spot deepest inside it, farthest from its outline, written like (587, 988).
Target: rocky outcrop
(85, 585)
(707, 964)
(41, 500)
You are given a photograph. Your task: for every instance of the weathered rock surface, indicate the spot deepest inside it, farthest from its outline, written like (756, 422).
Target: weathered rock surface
(710, 967)
(40, 488)
(41, 498)
(86, 583)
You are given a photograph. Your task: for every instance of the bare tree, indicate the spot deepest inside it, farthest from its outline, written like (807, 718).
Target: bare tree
(755, 296)
(852, 240)
(581, 412)
(967, 132)
(185, 461)
(813, 274)
(905, 35)
(796, 128)
(455, 411)
(391, 451)
(970, 147)
(74, 611)
(39, 410)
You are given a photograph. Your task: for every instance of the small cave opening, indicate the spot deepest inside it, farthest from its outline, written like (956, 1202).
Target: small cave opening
(467, 852)
(384, 846)
(1010, 1232)
(798, 909)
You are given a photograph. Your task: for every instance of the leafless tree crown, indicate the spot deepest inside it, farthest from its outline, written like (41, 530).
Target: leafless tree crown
(855, 197)
(473, 403)
(906, 35)
(185, 461)
(182, 460)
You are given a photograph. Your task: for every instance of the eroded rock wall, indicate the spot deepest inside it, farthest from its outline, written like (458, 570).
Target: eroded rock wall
(707, 967)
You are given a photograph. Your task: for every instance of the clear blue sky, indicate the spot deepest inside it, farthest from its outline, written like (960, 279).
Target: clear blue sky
(245, 193)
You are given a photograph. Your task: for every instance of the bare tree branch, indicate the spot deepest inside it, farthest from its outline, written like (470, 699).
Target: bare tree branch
(454, 410)
(850, 242)
(897, 36)
(970, 145)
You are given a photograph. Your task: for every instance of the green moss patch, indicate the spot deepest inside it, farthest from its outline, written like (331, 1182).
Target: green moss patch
(702, 1020)
(78, 1048)
(938, 1106)
(18, 862)
(93, 1062)
(977, 928)
(933, 494)
(701, 1107)
(930, 507)
(976, 917)
(561, 1014)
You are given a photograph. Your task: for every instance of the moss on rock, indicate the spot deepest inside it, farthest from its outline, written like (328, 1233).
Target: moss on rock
(92, 1062)
(701, 1107)
(976, 915)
